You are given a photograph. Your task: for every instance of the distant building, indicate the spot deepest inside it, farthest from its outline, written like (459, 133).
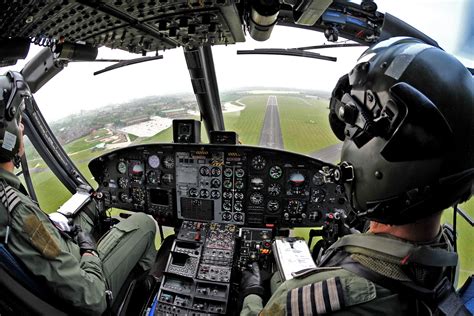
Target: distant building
(135, 120)
(173, 113)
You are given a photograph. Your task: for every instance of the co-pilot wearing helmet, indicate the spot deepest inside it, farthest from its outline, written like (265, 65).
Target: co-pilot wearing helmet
(405, 114)
(74, 274)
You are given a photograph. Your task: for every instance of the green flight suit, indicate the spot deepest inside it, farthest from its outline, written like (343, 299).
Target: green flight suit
(336, 291)
(54, 258)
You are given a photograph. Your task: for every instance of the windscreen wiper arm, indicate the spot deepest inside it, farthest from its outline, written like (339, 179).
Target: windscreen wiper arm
(128, 62)
(285, 52)
(336, 45)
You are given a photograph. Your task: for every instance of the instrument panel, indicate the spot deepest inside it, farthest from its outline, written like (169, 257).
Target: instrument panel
(241, 185)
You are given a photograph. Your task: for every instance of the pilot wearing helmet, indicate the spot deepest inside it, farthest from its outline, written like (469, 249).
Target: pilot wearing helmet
(405, 113)
(79, 274)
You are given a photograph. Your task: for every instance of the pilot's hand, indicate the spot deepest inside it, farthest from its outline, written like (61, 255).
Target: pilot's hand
(86, 243)
(60, 221)
(251, 282)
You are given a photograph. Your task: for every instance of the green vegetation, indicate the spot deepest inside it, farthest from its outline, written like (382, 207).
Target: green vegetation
(465, 239)
(304, 124)
(248, 122)
(132, 137)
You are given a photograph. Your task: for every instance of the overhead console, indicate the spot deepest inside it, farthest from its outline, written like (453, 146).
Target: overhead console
(240, 185)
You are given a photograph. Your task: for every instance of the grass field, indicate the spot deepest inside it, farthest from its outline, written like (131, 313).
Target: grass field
(305, 129)
(304, 124)
(248, 123)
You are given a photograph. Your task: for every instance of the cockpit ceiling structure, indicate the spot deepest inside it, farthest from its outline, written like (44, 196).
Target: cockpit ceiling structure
(135, 26)
(149, 26)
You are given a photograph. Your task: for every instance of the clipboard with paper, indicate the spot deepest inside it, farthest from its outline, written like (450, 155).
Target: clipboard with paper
(292, 255)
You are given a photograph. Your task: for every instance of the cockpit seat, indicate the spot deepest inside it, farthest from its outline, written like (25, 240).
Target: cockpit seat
(21, 294)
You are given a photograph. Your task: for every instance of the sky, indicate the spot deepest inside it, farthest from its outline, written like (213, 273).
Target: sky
(76, 89)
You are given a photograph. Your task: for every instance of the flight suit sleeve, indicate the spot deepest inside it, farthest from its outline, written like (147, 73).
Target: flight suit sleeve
(252, 305)
(325, 291)
(56, 261)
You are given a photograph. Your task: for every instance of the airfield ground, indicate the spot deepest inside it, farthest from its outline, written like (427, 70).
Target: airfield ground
(304, 128)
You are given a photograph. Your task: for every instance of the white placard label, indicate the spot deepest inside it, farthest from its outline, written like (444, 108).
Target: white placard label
(9, 141)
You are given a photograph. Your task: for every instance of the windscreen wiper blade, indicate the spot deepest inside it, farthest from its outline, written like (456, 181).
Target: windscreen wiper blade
(336, 45)
(128, 62)
(285, 52)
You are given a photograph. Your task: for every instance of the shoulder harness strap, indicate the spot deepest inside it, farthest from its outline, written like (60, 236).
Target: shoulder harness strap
(406, 252)
(442, 298)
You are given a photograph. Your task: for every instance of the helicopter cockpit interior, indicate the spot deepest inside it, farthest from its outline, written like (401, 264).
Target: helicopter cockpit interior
(222, 202)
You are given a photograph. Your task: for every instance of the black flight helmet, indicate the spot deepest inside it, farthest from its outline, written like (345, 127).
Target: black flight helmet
(405, 114)
(14, 92)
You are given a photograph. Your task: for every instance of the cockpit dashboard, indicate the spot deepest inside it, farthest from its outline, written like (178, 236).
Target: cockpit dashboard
(228, 184)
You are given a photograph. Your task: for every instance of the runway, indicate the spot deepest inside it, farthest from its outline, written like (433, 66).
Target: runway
(270, 135)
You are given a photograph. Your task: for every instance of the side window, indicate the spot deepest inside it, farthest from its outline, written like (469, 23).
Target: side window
(50, 191)
(465, 240)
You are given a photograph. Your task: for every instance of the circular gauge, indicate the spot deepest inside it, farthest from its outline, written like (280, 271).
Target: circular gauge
(215, 171)
(226, 216)
(215, 194)
(124, 197)
(273, 206)
(274, 189)
(275, 172)
(204, 171)
(258, 162)
(167, 178)
(297, 183)
(204, 193)
(227, 206)
(227, 184)
(256, 183)
(238, 195)
(122, 167)
(122, 182)
(239, 184)
(296, 179)
(256, 198)
(318, 196)
(215, 183)
(227, 195)
(193, 192)
(153, 177)
(318, 179)
(228, 172)
(238, 206)
(136, 169)
(138, 195)
(169, 162)
(238, 217)
(239, 173)
(295, 207)
(154, 161)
